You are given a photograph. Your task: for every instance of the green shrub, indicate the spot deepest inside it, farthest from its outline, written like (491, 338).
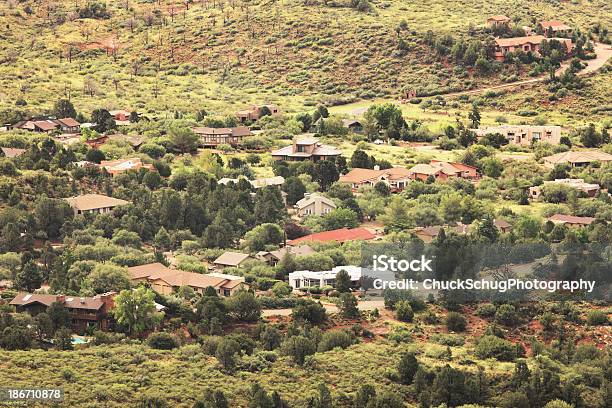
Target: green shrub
(456, 322)
(506, 315)
(448, 339)
(486, 310)
(334, 338)
(597, 318)
(162, 341)
(403, 311)
(494, 347)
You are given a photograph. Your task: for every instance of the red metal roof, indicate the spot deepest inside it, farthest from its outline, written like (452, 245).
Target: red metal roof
(339, 235)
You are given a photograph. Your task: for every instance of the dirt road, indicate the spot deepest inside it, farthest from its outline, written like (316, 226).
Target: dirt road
(603, 52)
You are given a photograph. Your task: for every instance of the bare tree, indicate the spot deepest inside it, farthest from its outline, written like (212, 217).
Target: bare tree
(90, 87)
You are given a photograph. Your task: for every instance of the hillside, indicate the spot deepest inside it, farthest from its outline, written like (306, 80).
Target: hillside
(148, 55)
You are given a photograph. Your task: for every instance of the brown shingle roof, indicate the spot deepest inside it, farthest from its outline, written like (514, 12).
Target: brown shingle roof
(229, 258)
(177, 278)
(586, 156)
(516, 41)
(571, 219)
(69, 122)
(11, 152)
(73, 302)
(94, 202)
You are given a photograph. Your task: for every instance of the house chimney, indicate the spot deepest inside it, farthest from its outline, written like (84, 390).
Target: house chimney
(306, 195)
(61, 299)
(377, 167)
(82, 300)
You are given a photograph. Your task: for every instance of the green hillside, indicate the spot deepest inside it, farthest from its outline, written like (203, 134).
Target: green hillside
(151, 55)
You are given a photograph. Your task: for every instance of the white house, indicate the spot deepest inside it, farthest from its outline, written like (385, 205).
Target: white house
(307, 279)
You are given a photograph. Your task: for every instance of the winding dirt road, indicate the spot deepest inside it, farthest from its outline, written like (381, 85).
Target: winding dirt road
(603, 52)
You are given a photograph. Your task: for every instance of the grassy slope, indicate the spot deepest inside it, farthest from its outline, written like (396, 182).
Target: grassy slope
(283, 52)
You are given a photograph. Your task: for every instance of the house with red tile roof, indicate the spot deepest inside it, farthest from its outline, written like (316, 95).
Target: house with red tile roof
(397, 178)
(530, 43)
(555, 28)
(443, 171)
(498, 21)
(339, 235)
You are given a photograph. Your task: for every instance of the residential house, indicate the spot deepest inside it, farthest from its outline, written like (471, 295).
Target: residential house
(440, 170)
(498, 21)
(306, 149)
(94, 204)
(340, 235)
(571, 220)
(397, 178)
(274, 257)
(114, 167)
(97, 142)
(308, 279)
(577, 158)
(314, 204)
(591, 190)
(64, 125)
(554, 28)
(11, 153)
(211, 137)
(85, 312)
(134, 141)
(502, 225)
(428, 234)
(122, 117)
(530, 43)
(231, 259)
(353, 125)
(524, 135)
(254, 113)
(166, 281)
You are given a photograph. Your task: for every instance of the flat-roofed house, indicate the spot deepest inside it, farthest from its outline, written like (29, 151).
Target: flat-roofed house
(94, 203)
(314, 204)
(308, 279)
(571, 220)
(255, 113)
(166, 281)
(577, 158)
(306, 149)
(498, 21)
(211, 137)
(84, 312)
(274, 257)
(114, 167)
(524, 135)
(555, 28)
(231, 259)
(590, 189)
(397, 178)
